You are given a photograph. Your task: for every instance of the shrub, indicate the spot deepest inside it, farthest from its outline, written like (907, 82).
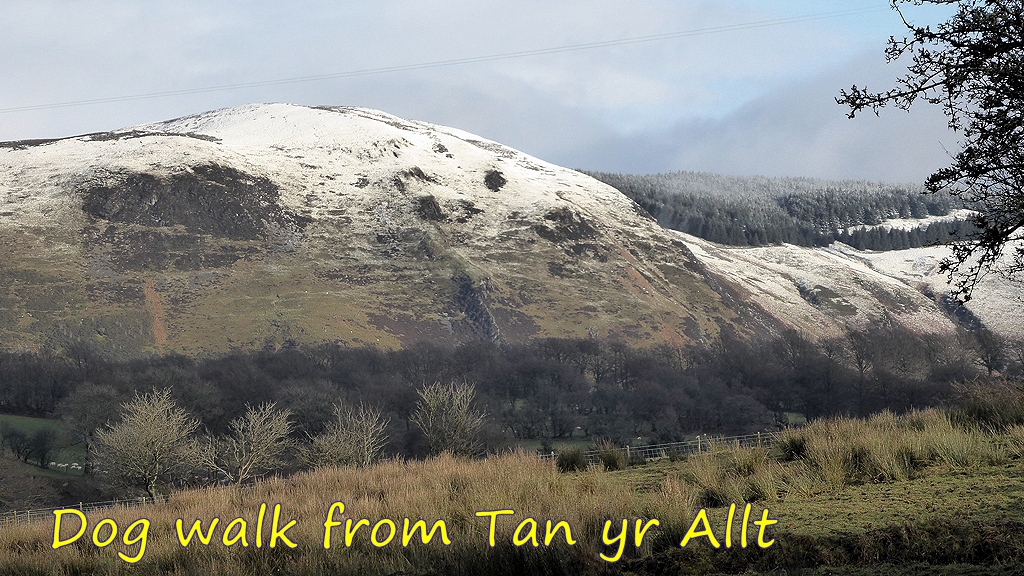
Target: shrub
(571, 460)
(445, 415)
(355, 436)
(791, 445)
(715, 486)
(150, 444)
(994, 403)
(611, 456)
(257, 443)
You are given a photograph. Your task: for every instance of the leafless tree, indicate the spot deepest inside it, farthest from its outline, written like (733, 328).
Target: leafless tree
(256, 444)
(352, 437)
(151, 441)
(1016, 348)
(863, 354)
(835, 353)
(445, 415)
(972, 65)
(991, 350)
(85, 411)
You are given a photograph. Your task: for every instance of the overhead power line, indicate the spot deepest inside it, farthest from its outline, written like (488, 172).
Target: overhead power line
(456, 61)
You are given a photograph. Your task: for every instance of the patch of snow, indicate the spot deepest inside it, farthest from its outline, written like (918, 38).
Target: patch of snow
(914, 223)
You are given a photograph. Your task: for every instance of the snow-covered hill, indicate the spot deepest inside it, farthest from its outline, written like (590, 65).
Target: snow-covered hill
(859, 286)
(267, 225)
(997, 302)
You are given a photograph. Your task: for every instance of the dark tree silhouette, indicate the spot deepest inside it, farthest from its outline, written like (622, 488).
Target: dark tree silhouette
(991, 350)
(85, 411)
(973, 66)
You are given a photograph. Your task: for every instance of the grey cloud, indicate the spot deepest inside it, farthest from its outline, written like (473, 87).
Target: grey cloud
(797, 130)
(800, 130)
(582, 109)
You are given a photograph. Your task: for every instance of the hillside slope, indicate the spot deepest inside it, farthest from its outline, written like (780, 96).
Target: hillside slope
(271, 225)
(997, 302)
(821, 291)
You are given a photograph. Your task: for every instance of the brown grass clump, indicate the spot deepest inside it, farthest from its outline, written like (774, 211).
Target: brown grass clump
(733, 475)
(715, 486)
(611, 456)
(1014, 440)
(790, 445)
(996, 403)
(959, 446)
(766, 483)
(887, 447)
(571, 460)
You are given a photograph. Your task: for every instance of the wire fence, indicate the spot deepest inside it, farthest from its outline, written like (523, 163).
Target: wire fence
(699, 444)
(632, 453)
(24, 516)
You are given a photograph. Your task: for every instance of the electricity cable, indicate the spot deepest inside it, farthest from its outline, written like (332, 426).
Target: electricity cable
(455, 61)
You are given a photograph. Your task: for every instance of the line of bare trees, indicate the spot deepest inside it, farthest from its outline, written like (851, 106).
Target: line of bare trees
(155, 442)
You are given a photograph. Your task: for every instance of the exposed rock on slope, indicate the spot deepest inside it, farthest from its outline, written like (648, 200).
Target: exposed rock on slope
(268, 225)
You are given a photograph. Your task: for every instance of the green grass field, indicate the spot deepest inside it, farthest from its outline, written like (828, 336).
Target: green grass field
(68, 453)
(28, 424)
(942, 521)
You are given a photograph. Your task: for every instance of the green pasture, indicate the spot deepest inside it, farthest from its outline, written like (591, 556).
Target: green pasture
(67, 450)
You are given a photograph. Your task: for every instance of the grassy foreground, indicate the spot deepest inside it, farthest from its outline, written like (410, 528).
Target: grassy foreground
(917, 494)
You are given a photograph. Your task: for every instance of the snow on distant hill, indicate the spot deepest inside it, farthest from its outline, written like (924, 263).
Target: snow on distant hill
(996, 301)
(271, 225)
(858, 286)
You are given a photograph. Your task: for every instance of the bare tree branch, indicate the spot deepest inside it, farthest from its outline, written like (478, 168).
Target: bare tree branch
(150, 443)
(353, 437)
(445, 416)
(256, 444)
(973, 66)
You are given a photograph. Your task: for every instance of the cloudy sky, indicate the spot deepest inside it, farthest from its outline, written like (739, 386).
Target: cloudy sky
(738, 87)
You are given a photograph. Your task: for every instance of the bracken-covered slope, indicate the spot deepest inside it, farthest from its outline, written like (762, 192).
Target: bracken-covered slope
(268, 225)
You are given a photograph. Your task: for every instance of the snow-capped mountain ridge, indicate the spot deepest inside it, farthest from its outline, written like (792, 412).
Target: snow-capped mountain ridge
(270, 224)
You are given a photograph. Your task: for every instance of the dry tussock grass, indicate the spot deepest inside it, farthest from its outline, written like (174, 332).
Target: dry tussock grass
(446, 488)
(890, 448)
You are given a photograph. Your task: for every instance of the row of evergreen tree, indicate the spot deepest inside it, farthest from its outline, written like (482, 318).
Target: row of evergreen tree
(755, 211)
(882, 238)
